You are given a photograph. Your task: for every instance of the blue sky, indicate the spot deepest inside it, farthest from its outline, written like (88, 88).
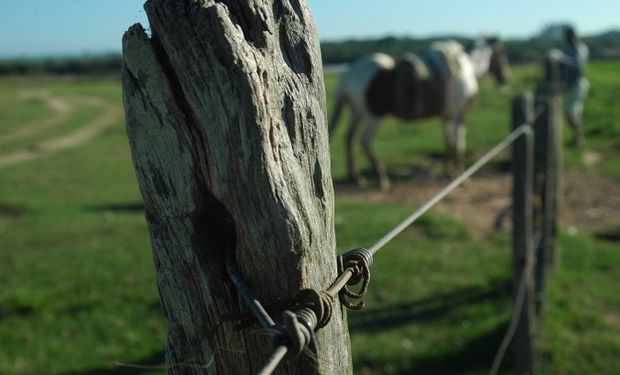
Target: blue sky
(69, 27)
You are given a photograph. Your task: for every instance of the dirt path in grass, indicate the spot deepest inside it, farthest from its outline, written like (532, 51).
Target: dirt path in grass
(592, 201)
(63, 109)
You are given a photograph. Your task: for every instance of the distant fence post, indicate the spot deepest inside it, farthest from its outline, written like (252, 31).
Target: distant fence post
(547, 185)
(523, 233)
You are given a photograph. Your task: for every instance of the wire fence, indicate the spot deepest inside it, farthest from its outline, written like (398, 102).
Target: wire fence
(305, 319)
(501, 146)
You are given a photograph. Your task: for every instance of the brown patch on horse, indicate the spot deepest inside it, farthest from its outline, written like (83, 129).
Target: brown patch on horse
(380, 93)
(419, 88)
(415, 88)
(410, 74)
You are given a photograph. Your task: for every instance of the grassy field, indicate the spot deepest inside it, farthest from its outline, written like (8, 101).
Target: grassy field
(77, 287)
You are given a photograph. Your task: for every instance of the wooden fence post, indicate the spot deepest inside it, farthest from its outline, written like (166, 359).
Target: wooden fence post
(547, 185)
(522, 237)
(225, 113)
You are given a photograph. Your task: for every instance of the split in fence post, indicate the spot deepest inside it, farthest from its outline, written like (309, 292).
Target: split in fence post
(523, 234)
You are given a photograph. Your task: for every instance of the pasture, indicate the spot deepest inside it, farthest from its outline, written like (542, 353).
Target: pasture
(77, 286)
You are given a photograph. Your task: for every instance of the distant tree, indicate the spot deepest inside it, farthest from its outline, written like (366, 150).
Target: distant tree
(603, 46)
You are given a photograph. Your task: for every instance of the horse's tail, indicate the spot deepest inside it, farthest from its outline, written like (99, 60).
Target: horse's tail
(337, 111)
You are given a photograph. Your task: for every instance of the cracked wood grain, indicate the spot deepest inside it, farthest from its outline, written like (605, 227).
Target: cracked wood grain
(225, 113)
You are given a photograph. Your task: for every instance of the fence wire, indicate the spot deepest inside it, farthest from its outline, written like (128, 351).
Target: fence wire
(279, 352)
(516, 133)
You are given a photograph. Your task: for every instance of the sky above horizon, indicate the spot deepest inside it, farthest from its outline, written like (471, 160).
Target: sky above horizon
(72, 27)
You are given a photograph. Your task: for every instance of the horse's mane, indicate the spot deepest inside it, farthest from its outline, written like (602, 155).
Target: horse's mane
(480, 55)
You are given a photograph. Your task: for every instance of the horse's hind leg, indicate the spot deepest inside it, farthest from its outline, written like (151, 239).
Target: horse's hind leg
(461, 138)
(352, 171)
(372, 124)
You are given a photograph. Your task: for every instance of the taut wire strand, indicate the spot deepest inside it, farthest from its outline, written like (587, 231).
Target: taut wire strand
(450, 187)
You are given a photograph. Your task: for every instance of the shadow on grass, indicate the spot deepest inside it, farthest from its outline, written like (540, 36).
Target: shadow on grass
(474, 355)
(494, 166)
(9, 310)
(611, 235)
(425, 309)
(153, 363)
(396, 174)
(410, 173)
(117, 207)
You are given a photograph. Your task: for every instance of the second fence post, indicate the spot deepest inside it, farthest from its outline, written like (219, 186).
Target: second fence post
(547, 182)
(523, 247)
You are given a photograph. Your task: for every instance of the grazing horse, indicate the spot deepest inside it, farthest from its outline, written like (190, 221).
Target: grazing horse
(442, 81)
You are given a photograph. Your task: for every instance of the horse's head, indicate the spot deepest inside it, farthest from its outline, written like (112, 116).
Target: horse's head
(498, 65)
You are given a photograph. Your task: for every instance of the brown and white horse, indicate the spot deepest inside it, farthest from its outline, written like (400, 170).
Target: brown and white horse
(442, 81)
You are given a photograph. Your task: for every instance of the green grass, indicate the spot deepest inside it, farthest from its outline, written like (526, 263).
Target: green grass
(78, 286)
(22, 111)
(78, 292)
(439, 300)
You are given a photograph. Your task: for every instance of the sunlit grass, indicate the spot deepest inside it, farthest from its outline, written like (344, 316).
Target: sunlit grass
(78, 290)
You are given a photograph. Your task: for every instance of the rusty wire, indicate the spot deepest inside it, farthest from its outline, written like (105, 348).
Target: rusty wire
(312, 309)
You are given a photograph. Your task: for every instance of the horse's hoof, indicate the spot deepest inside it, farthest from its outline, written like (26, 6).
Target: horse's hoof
(577, 142)
(359, 180)
(452, 174)
(384, 185)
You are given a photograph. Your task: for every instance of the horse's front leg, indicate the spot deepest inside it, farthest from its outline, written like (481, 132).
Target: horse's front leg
(372, 124)
(352, 171)
(450, 138)
(461, 135)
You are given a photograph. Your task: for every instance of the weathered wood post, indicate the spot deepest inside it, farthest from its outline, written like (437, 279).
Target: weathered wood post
(547, 183)
(225, 113)
(523, 232)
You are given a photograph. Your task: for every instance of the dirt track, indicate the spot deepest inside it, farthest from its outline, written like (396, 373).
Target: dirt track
(62, 109)
(591, 201)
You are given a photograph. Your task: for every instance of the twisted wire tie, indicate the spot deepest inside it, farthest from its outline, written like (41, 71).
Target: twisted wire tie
(312, 309)
(358, 261)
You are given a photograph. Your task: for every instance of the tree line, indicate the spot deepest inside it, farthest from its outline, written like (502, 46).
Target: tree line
(107, 64)
(602, 47)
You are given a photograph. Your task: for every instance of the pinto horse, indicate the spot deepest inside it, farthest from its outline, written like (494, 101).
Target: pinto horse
(442, 81)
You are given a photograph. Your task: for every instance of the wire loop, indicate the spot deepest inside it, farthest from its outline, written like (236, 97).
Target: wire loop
(359, 261)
